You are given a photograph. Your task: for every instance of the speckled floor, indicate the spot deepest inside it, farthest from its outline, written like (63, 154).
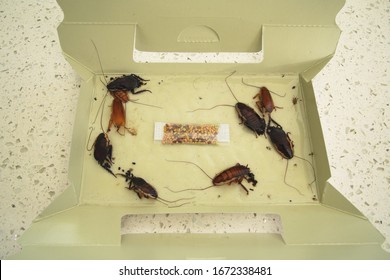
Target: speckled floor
(40, 91)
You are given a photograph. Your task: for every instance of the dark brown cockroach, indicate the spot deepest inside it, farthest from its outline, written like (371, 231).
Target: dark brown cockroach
(280, 140)
(265, 102)
(119, 87)
(102, 147)
(126, 83)
(120, 93)
(234, 174)
(284, 146)
(247, 114)
(250, 118)
(102, 151)
(118, 117)
(146, 190)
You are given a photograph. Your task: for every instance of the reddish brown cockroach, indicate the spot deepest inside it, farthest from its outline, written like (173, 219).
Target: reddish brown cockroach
(118, 117)
(284, 146)
(234, 174)
(146, 190)
(265, 103)
(121, 95)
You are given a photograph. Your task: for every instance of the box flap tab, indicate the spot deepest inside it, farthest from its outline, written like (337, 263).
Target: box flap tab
(298, 33)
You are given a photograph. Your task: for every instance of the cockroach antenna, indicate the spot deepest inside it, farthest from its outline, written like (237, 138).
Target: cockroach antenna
(193, 163)
(205, 109)
(89, 138)
(104, 98)
(231, 74)
(250, 85)
(100, 62)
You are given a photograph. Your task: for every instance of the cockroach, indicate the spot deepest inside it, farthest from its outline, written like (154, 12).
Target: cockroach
(284, 146)
(121, 95)
(103, 151)
(144, 189)
(234, 174)
(102, 147)
(295, 100)
(280, 140)
(250, 118)
(118, 117)
(265, 102)
(247, 114)
(118, 86)
(127, 83)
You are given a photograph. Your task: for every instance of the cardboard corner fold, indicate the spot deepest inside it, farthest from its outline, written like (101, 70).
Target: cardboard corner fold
(331, 197)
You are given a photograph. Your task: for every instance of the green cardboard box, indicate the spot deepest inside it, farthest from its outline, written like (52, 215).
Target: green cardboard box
(278, 44)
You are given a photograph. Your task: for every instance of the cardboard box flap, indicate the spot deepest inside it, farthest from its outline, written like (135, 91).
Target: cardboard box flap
(290, 38)
(294, 12)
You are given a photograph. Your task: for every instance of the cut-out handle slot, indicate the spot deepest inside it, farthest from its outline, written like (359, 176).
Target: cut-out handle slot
(197, 42)
(193, 57)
